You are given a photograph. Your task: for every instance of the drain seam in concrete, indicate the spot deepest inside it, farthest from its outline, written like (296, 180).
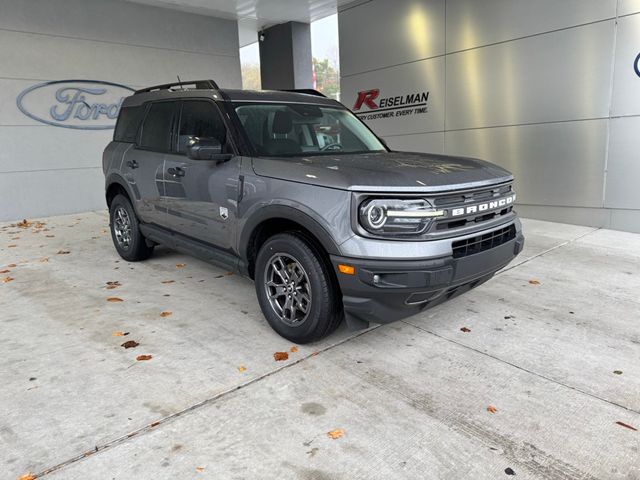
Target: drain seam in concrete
(531, 372)
(208, 401)
(563, 244)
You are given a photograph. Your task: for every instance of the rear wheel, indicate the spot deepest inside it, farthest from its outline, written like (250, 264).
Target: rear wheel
(295, 289)
(125, 231)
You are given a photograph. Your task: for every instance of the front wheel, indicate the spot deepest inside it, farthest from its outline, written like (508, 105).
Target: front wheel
(296, 292)
(125, 231)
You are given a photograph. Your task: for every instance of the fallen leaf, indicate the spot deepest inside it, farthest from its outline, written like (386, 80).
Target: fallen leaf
(120, 334)
(465, 329)
(112, 285)
(618, 372)
(199, 469)
(142, 358)
(154, 424)
(130, 344)
(44, 260)
(166, 314)
(26, 476)
(294, 349)
(625, 425)
(180, 265)
(335, 434)
(63, 252)
(114, 299)
(278, 356)
(168, 281)
(5, 271)
(15, 238)
(23, 224)
(7, 279)
(12, 265)
(242, 368)
(534, 282)
(509, 471)
(50, 236)
(491, 409)
(12, 246)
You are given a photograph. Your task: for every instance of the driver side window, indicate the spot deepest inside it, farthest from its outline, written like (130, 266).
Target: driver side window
(200, 119)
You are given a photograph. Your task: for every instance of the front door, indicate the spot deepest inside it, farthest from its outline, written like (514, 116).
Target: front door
(201, 195)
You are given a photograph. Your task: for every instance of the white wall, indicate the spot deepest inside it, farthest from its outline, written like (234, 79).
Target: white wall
(47, 170)
(546, 88)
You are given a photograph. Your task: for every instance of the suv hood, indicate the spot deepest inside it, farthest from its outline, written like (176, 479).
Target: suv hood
(384, 171)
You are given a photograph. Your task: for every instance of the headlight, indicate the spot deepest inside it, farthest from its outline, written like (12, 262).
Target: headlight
(397, 216)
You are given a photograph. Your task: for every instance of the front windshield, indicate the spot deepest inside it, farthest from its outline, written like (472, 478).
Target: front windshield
(293, 129)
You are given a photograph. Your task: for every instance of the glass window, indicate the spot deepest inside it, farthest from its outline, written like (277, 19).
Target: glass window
(287, 129)
(156, 130)
(200, 119)
(128, 124)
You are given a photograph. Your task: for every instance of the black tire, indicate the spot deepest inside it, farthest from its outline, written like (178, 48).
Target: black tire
(136, 248)
(324, 312)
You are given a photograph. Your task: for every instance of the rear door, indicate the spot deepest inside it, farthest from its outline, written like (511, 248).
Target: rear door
(144, 163)
(201, 195)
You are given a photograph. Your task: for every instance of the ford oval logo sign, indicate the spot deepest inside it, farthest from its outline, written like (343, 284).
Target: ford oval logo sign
(79, 104)
(636, 65)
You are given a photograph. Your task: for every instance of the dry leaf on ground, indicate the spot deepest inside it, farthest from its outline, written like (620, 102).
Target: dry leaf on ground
(168, 281)
(199, 469)
(534, 282)
(242, 368)
(130, 344)
(294, 349)
(180, 265)
(465, 329)
(26, 476)
(5, 271)
(7, 279)
(44, 259)
(23, 224)
(617, 372)
(335, 434)
(491, 409)
(626, 425)
(112, 285)
(12, 246)
(142, 358)
(12, 265)
(50, 236)
(63, 252)
(279, 356)
(166, 314)
(114, 299)
(120, 334)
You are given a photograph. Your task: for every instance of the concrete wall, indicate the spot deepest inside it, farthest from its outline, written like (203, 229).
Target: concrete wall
(546, 88)
(47, 170)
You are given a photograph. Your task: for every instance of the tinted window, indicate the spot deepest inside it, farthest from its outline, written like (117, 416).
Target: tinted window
(128, 124)
(200, 119)
(156, 130)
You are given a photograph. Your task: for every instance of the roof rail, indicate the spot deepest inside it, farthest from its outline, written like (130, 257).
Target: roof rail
(199, 85)
(308, 91)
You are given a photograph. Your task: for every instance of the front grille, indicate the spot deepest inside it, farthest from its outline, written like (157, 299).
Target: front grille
(481, 243)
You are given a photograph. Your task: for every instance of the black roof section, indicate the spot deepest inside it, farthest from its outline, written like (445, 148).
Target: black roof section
(196, 88)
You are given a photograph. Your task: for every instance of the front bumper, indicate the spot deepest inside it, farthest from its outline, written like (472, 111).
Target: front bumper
(384, 291)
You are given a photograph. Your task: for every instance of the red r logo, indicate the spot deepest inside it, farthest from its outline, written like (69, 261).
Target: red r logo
(367, 97)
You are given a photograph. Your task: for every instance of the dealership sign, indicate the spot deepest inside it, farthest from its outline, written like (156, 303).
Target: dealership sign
(371, 105)
(79, 104)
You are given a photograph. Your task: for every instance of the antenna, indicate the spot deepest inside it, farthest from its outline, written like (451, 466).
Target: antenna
(180, 82)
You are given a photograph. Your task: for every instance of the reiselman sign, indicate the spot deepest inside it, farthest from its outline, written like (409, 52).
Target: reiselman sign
(78, 104)
(412, 103)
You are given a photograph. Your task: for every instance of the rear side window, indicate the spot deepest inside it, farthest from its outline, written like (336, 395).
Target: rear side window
(128, 124)
(156, 129)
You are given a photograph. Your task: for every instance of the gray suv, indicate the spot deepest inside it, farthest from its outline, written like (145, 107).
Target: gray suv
(291, 189)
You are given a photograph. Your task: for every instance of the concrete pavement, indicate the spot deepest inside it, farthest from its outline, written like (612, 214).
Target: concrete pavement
(553, 345)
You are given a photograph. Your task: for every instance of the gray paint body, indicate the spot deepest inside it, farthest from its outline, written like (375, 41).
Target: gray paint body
(318, 192)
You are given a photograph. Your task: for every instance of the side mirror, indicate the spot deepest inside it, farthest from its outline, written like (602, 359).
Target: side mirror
(206, 149)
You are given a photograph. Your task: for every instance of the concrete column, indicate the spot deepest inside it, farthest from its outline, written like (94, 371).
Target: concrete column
(285, 57)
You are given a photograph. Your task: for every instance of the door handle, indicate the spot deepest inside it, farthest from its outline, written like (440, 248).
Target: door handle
(132, 164)
(176, 171)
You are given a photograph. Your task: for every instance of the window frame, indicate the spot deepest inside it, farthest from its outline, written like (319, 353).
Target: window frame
(172, 127)
(230, 140)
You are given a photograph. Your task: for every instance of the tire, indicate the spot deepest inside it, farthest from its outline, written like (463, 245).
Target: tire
(131, 246)
(312, 278)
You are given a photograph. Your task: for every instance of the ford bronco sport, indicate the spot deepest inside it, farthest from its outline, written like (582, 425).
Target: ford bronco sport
(292, 190)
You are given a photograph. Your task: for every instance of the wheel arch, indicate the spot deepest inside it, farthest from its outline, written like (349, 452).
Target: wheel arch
(117, 185)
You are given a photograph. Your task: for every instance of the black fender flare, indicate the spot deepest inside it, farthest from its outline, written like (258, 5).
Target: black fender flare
(288, 213)
(116, 178)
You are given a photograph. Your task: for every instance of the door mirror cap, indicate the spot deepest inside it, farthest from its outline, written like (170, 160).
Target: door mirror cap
(206, 148)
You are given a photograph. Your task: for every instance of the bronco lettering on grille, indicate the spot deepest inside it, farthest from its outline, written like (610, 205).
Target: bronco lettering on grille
(484, 207)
